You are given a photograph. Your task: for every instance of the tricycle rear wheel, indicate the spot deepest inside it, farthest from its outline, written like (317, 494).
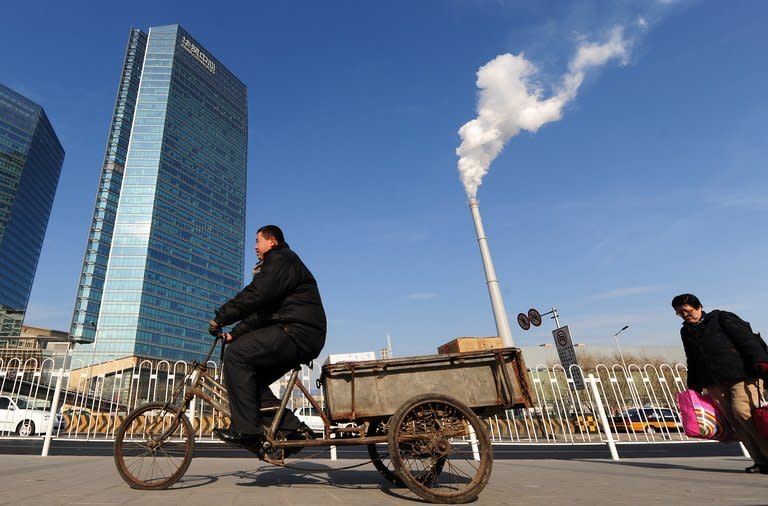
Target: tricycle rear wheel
(432, 433)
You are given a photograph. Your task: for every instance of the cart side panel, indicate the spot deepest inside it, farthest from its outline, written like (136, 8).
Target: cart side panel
(355, 390)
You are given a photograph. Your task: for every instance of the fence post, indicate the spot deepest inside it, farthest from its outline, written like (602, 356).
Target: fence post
(603, 419)
(54, 412)
(473, 443)
(333, 449)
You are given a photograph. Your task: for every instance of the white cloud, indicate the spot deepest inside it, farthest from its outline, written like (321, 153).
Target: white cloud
(591, 54)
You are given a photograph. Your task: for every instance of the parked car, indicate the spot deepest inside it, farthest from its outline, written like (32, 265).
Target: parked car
(18, 416)
(311, 418)
(648, 419)
(314, 421)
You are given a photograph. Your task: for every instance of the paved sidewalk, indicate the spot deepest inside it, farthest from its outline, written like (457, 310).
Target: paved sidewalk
(80, 480)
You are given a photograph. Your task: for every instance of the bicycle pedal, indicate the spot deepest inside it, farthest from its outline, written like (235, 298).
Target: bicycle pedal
(269, 460)
(270, 406)
(274, 457)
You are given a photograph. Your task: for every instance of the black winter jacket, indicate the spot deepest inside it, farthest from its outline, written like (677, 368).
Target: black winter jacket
(720, 348)
(283, 292)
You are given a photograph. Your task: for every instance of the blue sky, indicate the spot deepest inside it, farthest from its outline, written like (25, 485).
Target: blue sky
(653, 181)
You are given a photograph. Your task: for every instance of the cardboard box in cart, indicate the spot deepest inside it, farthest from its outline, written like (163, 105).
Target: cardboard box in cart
(463, 344)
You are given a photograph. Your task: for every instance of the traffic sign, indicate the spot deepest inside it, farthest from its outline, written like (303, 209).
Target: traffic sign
(534, 317)
(523, 321)
(567, 354)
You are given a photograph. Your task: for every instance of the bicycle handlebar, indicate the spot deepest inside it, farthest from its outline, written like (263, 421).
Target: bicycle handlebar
(213, 347)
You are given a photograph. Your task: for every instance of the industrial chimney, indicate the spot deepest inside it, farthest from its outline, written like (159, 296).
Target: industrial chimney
(499, 313)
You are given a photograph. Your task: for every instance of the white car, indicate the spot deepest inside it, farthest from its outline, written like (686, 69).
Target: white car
(314, 421)
(18, 417)
(311, 418)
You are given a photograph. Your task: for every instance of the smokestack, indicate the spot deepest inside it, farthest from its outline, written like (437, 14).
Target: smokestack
(499, 313)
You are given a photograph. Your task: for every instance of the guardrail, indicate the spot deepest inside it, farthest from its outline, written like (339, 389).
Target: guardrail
(639, 401)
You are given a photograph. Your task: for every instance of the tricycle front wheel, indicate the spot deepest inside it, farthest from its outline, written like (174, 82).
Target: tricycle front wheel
(432, 433)
(380, 459)
(154, 447)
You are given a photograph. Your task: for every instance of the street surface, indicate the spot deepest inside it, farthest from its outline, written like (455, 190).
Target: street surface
(78, 480)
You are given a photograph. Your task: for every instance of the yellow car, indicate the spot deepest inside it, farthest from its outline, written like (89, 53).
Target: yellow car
(648, 420)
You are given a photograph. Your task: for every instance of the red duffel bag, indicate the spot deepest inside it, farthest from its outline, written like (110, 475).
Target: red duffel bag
(760, 416)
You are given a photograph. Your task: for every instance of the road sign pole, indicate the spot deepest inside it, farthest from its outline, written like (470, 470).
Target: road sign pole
(556, 317)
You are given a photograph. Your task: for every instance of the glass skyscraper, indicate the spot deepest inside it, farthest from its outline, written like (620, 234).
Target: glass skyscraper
(31, 157)
(166, 242)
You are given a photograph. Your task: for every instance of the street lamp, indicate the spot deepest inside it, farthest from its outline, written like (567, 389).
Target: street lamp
(616, 338)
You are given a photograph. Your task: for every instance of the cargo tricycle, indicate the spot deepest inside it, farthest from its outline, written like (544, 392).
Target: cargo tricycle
(419, 417)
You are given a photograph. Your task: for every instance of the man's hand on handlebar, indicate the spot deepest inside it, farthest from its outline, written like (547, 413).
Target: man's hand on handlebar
(214, 329)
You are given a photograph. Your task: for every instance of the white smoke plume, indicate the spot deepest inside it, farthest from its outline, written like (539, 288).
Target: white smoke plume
(509, 101)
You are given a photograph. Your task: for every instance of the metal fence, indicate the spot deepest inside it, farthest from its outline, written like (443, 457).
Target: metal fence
(639, 404)
(638, 401)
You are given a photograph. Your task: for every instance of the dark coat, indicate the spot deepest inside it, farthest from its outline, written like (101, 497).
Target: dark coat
(721, 348)
(283, 292)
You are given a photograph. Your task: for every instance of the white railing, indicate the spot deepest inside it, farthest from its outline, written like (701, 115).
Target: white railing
(639, 402)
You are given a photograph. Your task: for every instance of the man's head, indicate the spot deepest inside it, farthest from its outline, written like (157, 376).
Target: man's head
(688, 307)
(267, 237)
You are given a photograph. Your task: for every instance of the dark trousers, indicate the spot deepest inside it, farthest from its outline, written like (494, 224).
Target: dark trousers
(251, 363)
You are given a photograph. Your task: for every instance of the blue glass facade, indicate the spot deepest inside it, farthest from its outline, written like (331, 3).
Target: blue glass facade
(103, 223)
(173, 251)
(31, 157)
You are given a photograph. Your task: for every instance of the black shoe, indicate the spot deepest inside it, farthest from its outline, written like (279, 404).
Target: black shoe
(238, 438)
(752, 469)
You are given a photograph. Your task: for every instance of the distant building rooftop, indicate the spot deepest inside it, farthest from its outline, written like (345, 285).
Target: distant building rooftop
(33, 342)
